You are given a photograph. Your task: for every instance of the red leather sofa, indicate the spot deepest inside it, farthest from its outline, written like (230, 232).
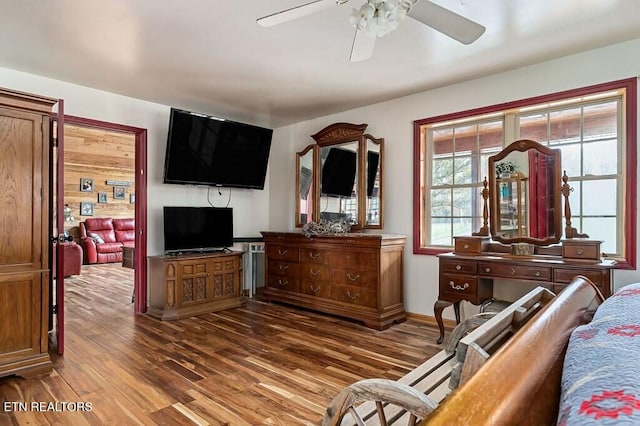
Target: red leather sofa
(103, 239)
(72, 259)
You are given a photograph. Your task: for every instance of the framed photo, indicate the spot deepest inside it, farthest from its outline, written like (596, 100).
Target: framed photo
(132, 198)
(119, 192)
(86, 185)
(102, 197)
(86, 208)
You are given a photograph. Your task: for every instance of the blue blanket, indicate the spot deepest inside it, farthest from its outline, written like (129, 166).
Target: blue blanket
(601, 373)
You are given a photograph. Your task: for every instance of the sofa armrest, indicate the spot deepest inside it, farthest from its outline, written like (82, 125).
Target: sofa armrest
(90, 250)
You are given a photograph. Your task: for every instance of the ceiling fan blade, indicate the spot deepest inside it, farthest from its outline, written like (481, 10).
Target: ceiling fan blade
(362, 47)
(447, 22)
(296, 12)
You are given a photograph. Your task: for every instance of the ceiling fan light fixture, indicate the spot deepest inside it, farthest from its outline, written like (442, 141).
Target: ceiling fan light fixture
(380, 17)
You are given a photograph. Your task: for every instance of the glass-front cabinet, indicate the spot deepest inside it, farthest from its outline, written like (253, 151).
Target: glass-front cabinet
(340, 177)
(513, 212)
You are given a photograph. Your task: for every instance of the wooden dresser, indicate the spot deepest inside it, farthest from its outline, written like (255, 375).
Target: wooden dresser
(194, 284)
(358, 276)
(468, 272)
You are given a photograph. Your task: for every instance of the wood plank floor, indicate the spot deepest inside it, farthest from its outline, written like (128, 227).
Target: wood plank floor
(258, 364)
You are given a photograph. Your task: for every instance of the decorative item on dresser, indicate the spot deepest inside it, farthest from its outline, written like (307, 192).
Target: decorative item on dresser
(526, 231)
(24, 227)
(355, 275)
(185, 285)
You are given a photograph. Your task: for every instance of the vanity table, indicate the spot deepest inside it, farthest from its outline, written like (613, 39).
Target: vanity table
(495, 252)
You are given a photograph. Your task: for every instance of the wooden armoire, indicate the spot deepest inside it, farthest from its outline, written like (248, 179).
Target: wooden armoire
(24, 233)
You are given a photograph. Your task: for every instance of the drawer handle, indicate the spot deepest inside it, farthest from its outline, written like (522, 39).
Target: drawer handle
(281, 237)
(538, 274)
(315, 290)
(580, 252)
(314, 256)
(466, 246)
(356, 278)
(314, 273)
(352, 297)
(457, 287)
(513, 271)
(283, 283)
(487, 270)
(282, 252)
(283, 267)
(458, 267)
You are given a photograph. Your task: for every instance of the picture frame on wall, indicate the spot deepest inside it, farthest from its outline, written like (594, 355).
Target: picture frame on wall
(86, 208)
(132, 198)
(86, 185)
(102, 197)
(119, 192)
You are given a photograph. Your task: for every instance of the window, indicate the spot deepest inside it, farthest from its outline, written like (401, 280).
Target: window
(595, 129)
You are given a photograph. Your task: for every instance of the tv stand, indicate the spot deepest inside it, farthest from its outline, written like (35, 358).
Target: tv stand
(183, 285)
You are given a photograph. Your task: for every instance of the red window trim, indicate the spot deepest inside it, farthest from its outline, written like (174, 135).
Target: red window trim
(629, 214)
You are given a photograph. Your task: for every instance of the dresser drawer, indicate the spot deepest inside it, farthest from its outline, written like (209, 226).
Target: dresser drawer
(353, 277)
(316, 288)
(459, 285)
(356, 295)
(581, 250)
(458, 266)
(313, 271)
(278, 252)
(561, 275)
(536, 273)
(314, 255)
(282, 283)
(286, 269)
(470, 245)
(355, 259)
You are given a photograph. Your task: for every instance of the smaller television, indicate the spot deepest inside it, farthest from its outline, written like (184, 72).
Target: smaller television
(339, 173)
(197, 229)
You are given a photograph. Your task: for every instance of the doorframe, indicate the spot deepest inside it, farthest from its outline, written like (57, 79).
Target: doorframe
(140, 170)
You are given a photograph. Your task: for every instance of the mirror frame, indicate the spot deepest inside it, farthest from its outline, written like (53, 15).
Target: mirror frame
(332, 135)
(522, 146)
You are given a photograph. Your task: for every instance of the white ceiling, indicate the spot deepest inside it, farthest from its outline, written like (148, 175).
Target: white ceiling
(210, 56)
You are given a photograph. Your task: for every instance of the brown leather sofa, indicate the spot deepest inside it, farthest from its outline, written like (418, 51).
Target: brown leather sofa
(103, 238)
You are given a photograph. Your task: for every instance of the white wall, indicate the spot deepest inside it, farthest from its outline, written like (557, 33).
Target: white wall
(393, 121)
(250, 211)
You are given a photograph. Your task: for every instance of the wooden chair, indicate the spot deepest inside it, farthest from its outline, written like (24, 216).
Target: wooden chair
(418, 393)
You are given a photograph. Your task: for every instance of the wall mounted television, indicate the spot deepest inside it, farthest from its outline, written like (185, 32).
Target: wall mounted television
(196, 229)
(204, 150)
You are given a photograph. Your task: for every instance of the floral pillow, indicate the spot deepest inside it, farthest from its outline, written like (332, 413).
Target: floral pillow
(98, 239)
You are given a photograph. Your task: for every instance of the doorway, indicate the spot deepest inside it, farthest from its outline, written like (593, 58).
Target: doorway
(105, 176)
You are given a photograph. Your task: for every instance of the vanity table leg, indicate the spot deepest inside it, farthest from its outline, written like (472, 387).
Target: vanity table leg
(456, 309)
(438, 307)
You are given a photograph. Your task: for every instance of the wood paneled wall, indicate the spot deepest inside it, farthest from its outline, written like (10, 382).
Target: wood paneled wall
(101, 156)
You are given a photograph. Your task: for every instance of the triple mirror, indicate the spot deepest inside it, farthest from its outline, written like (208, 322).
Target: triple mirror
(340, 177)
(525, 194)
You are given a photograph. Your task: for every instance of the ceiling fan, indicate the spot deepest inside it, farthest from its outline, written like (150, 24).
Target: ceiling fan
(376, 18)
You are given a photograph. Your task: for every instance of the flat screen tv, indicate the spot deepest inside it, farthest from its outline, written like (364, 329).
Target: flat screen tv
(339, 173)
(204, 150)
(194, 229)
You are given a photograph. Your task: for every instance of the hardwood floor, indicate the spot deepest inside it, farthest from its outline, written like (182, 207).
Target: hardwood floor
(259, 364)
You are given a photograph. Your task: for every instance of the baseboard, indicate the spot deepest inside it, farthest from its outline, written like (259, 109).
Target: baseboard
(430, 320)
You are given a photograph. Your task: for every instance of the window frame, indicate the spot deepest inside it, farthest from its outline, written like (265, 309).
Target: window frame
(629, 128)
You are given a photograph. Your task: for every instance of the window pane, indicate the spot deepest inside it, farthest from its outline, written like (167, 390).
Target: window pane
(603, 229)
(462, 202)
(565, 125)
(534, 127)
(605, 203)
(571, 155)
(442, 173)
(441, 232)
(440, 203)
(601, 158)
(601, 121)
(463, 170)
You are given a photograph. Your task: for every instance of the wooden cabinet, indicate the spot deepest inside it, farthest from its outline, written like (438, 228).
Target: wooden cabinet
(512, 200)
(24, 242)
(186, 285)
(358, 276)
